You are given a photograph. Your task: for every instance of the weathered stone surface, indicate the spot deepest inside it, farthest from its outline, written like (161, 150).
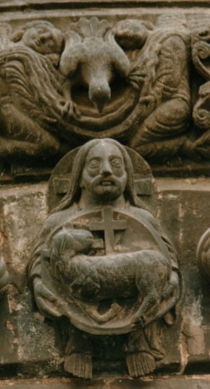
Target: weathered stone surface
(168, 382)
(103, 263)
(94, 80)
(132, 84)
(24, 336)
(136, 92)
(182, 207)
(22, 211)
(185, 214)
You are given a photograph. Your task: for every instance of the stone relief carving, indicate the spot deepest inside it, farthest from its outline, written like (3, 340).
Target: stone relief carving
(200, 57)
(5, 278)
(203, 253)
(103, 262)
(31, 91)
(128, 81)
(164, 94)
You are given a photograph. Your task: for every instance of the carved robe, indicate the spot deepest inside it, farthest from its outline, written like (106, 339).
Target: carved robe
(165, 95)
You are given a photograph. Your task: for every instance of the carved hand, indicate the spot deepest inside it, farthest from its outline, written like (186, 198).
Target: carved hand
(45, 299)
(149, 103)
(68, 107)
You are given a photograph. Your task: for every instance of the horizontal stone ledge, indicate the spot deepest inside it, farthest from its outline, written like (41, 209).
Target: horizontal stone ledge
(14, 5)
(168, 382)
(168, 184)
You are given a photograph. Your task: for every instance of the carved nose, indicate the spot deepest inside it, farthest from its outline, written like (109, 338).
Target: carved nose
(106, 169)
(99, 93)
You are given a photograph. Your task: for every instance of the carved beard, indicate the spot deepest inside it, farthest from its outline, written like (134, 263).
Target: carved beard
(107, 188)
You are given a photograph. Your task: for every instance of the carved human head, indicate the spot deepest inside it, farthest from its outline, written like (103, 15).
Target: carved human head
(104, 176)
(131, 33)
(43, 37)
(104, 167)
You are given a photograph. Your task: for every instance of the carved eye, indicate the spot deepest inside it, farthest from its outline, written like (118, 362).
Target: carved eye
(93, 163)
(116, 162)
(50, 43)
(46, 40)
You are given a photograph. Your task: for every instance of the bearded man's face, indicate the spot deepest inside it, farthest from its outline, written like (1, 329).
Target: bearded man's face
(104, 174)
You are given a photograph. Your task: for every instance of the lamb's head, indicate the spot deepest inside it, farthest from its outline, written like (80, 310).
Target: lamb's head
(68, 242)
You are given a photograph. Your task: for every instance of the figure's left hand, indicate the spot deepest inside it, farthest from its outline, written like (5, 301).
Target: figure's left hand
(46, 301)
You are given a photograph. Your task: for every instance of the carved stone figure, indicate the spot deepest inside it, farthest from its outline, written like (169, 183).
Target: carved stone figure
(5, 278)
(203, 253)
(162, 70)
(31, 91)
(94, 49)
(91, 278)
(128, 81)
(102, 262)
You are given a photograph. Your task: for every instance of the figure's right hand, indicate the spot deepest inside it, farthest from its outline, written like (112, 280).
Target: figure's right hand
(149, 103)
(46, 301)
(68, 108)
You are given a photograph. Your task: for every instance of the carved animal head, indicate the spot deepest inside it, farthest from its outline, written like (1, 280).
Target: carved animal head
(64, 245)
(96, 55)
(69, 242)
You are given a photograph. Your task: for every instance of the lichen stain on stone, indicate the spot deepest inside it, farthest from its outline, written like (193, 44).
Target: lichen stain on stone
(181, 211)
(192, 333)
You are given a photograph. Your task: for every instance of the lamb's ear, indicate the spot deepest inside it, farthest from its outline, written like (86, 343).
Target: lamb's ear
(131, 33)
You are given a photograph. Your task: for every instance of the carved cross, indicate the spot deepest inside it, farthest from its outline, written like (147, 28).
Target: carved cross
(108, 225)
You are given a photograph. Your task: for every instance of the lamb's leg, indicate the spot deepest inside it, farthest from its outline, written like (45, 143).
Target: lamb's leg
(168, 300)
(147, 292)
(150, 303)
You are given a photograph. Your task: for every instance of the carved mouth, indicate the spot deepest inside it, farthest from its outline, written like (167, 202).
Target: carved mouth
(123, 100)
(106, 183)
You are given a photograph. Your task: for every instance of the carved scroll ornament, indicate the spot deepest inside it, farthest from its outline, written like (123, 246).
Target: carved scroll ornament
(201, 110)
